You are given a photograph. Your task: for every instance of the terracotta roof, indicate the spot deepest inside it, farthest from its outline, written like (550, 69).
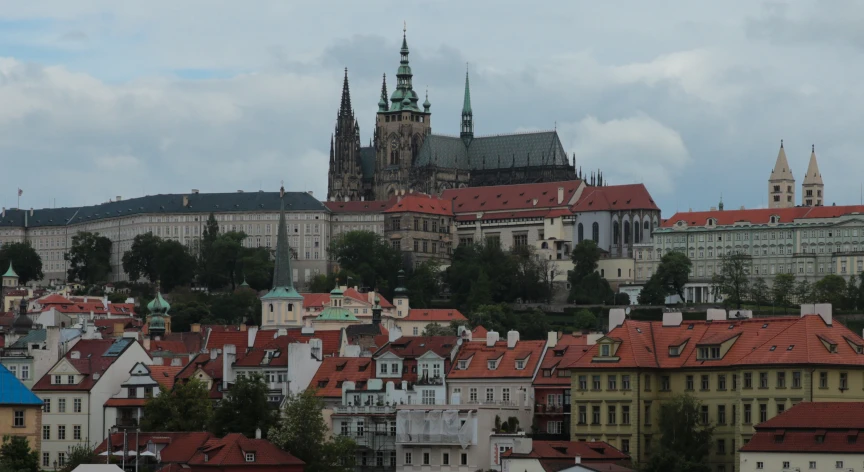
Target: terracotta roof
(180, 447)
(761, 341)
(761, 215)
(479, 332)
(165, 374)
(588, 451)
(255, 356)
(320, 300)
(509, 215)
(368, 206)
(420, 203)
(440, 314)
(218, 340)
(819, 415)
(567, 350)
(230, 451)
(94, 357)
(55, 299)
(193, 342)
(331, 340)
(409, 347)
(106, 325)
(335, 370)
(478, 354)
(615, 197)
(838, 423)
(511, 197)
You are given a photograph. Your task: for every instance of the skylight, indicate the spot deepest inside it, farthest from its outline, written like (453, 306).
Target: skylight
(772, 348)
(790, 347)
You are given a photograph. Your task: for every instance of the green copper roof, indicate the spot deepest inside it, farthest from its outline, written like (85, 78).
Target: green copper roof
(158, 305)
(404, 97)
(283, 282)
(10, 272)
(493, 152)
(466, 102)
(334, 313)
(426, 104)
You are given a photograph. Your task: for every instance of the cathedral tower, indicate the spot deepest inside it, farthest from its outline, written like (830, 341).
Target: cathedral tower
(400, 130)
(781, 184)
(345, 178)
(812, 190)
(467, 129)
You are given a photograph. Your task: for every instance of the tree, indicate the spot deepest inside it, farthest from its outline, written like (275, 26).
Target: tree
(851, 296)
(185, 408)
(674, 272)
(321, 284)
(622, 298)
(435, 329)
(481, 291)
(208, 273)
(500, 268)
(804, 292)
(25, 260)
(302, 431)
(685, 441)
(140, 260)
(89, 258)
(256, 267)
(781, 291)
(501, 318)
(732, 281)
(245, 408)
(652, 293)
(16, 455)
(759, 292)
(369, 256)
(174, 264)
(585, 256)
(423, 283)
(585, 319)
(79, 454)
(227, 251)
(532, 274)
(587, 287)
(831, 289)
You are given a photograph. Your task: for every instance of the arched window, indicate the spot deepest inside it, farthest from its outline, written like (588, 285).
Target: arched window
(626, 232)
(544, 245)
(595, 232)
(636, 235)
(581, 232)
(271, 308)
(615, 234)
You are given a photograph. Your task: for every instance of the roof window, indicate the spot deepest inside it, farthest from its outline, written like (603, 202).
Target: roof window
(250, 457)
(791, 346)
(690, 326)
(772, 348)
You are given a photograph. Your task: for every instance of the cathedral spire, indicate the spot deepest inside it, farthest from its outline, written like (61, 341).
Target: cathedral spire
(345, 108)
(382, 104)
(467, 130)
(781, 183)
(813, 188)
(404, 97)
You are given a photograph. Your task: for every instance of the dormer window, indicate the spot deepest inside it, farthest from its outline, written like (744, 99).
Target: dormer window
(520, 364)
(463, 365)
(250, 457)
(492, 364)
(708, 352)
(605, 350)
(711, 222)
(673, 351)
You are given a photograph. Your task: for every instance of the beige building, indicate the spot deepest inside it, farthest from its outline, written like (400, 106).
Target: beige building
(20, 410)
(421, 226)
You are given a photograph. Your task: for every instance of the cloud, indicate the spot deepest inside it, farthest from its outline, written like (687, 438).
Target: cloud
(629, 150)
(123, 162)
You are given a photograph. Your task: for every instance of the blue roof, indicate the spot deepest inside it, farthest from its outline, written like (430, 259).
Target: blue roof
(13, 392)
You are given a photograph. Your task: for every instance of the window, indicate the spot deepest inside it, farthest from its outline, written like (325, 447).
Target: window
(520, 364)
(76, 432)
(583, 382)
(61, 459)
(583, 414)
(425, 458)
(46, 459)
(704, 414)
(605, 350)
(763, 379)
(46, 405)
(812, 464)
(25, 372)
(625, 382)
(612, 415)
(428, 397)
(844, 381)
(250, 457)
(625, 414)
(490, 395)
(823, 379)
(383, 368)
(838, 464)
(46, 432)
(721, 446)
(554, 427)
(705, 383)
(472, 394)
(61, 405)
(748, 413)
(781, 379)
(595, 382)
(416, 331)
(70, 379)
(760, 465)
(785, 464)
(61, 432)
(361, 428)
(595, 415)
(18, 420)
(76, 405)
(647, 414)
(408, 458)
(665, 383)
(612, 382)
(796, 379)
(445, 458)
(763, 412)
(343, 429)
(721, 382)
(748, 379)
(734, 381)
(647, 382)
(58, 379)
(463, 459)
(505, 394)
(721, 414)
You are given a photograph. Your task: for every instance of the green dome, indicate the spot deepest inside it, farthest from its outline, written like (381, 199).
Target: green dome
(10, 272)
(158, 305)
(334, 313)
(336, 291)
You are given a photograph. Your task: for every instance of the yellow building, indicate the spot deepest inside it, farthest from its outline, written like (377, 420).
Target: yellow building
(744, 371)
(20, 410)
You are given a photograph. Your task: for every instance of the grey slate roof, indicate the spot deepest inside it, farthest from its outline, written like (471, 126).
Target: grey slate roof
(520, 150)
(199, 203)
(36, 336)
(367, 161)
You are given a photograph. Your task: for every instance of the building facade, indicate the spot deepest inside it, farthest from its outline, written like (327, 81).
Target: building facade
(20, 410)
(421, 226)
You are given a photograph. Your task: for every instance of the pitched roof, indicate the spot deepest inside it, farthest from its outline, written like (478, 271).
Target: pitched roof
(504, 198)
(762, 341)
(13, 392)
(409, 347)
(615, 197)
(218, 340)
(567, 350)
(331, 340)
(761, 216)
(838, 423)
(192, 343)
(781, 170)
(93, 358)
(586, 450)
(533, 149)
(434, 314)
(478, 354)
(54, 299)
(426, 204)
(165, 374)
(363, 206)
(819, 415)
(179, 447)
(231, 451)
(335, 370)
(320, 300)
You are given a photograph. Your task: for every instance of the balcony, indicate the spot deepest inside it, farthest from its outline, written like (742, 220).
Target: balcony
(365, 410)
(127, 422)
(426, 380)
(549, 409)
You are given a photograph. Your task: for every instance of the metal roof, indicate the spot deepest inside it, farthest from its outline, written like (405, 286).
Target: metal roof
(493, 152)
(13, 392)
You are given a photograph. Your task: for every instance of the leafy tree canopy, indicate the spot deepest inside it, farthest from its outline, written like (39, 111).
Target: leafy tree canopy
(732, 280)
(653, 292)
(501, 318)
(25, 260)
(674, 272)
(16, 455)
(89, 258)
(585, 319)
(685, 441)
(782, 290)
(185, 408)
(245, 408)
(366, 254)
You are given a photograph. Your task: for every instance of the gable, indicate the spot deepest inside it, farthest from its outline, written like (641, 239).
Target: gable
(64, 367)
(139, 369)
(430, 355)
(389, 355)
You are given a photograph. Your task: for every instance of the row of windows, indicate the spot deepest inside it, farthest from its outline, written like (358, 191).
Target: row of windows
(61, 432)
(721, 382)
(22, 372)
(425, 458)
(61, 405)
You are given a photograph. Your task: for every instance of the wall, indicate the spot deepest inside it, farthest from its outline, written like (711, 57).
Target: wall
(774, 461)
(301, 366)
(109, 384)
(32, 429)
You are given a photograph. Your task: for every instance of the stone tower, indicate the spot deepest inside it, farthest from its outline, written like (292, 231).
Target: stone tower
(781, 184)
(812, 190)
(400, 130)
(345, 178)
(282, 306)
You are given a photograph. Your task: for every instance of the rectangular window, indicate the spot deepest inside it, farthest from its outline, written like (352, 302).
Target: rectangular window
(46, 405)
(76, 433)
(595, 415)
(61, 432)
(613, 382)
(360, 428)
(763, 379)
(625, 382)
(763, 412)
(748, 379)
(61, 405)
(472, 394)
(796, 379)
(844, 381)
(665, 383)
(583, 414)
(705, 382)
(647, 382)
(426, 458)
(46, 432)
(688, 384)
(748, 408)
(595, 382)
(704, 414)
(61, 459)
(721, 414)
(490, 395)
(781, 379)
(18, 419)
(70, 379)
(463, 459)
(823, 379)
(428, 397)
(445, 458)
(721, 446)
(25, 372)
(625, 414)
(647, 415)
(46, 459)
(408, 458)
(76, 405)
(612, 415)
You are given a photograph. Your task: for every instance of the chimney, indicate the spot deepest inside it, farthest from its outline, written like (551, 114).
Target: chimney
(243, 325)
(195, 327)
(214, 353)
(251, 332)
(616, 318)
(146, 343)
(551, 339)
(512, 339)
(824, 310)
(464, 333)
(560, 195)
(491, 338)
(31, 211)
(673, 319)
(230, 353)
(119, 198)
(257, 433)
(195, 191)
(716, 314)
(185, 201)
(118, 330)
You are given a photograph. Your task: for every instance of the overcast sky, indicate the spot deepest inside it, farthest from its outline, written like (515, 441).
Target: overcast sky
(102, 98)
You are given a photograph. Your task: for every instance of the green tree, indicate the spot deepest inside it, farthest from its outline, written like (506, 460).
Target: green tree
(423, 283)
(831, 289)
(183, 314)
(187, 407)
(256, 267)
(804, 292)
(674, 272)
(585, 256)
(369, 256)
(759, 292)
(140, 260)
(585, 319)
(652, 293)
(622, 298)
(321, 284)
(782, 290)
(16, 455)
(851, 296)
(587, 287)
(209, 273)
(533, 274)
(501, 318)
(302, 431)
(79, 454)
(174, 264)
(732, 280)
(245, 408)
(481, 291)
(435, 329)
(89, 258)
(500, 268)
(25, 260)
(685, 440)
(227, 251)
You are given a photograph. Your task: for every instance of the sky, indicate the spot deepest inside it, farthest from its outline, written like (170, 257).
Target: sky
(101, 98)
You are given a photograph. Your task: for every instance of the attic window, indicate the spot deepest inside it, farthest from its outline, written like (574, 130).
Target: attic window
(491, 364)
(764, 325)
(520, 364)
(674, 351)
(363, 367)
(340, 367)
(790, 347)
(690, 326)
(772, 348)
(605, 350)
(731, 326)
(339, 383)
(639, 330)
(708, 352)
(250, 457)
(322, 383)
(463, 365)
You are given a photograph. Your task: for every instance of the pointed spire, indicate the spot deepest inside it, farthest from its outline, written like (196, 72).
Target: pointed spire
(720, 206)
(467, 129)
(813, 177)
(282, 275)
(382, 103)
(345, 107)
(781, 170)
(426, 104)
(404, 97)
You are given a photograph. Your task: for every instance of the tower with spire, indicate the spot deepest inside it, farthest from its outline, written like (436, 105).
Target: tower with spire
(781, 183)
(812, 190)
(466, 131)
(282, 306)
(345, 178)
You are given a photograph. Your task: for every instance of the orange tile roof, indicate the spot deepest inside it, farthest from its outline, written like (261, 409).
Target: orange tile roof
(320, 300)
(421, 203)
(511, 197)
(796, 429)
(761, 341)
(615, 197)
(477, 353)
(409, 347)
(165, 374)
(55, 299)
(760, 215)
(218, 340)
(335, 370)
(180, 447)
(568, 349)
(435, 314)
(479, 332)
(230, 452)
(91, 361)
(331, 340)
(368, 206)
(586, 450)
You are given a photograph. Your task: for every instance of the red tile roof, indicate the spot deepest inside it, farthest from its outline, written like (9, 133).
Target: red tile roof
(180, 447)
(615, 197)
(509, 215)
(193, 342)
(591, 451)
(54, 299)
(567, 350)
(761, 341)
(761, 215)
(796, 429)
(335, 370)
(218, 340)
(410, 347)
(477, 354)
(511, 197)
(440, 314)
(91, 361)
(165, 374)
(255, 356)
(819, 415)
(479, 332)
(107, 326)
(331, 340)
(421, 203)
(230, 451)
(320, 300)
(369, 206)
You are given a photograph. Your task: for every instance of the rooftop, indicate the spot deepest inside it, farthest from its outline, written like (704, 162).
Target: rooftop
(336, 370)
(477, 356)
(823, 428)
